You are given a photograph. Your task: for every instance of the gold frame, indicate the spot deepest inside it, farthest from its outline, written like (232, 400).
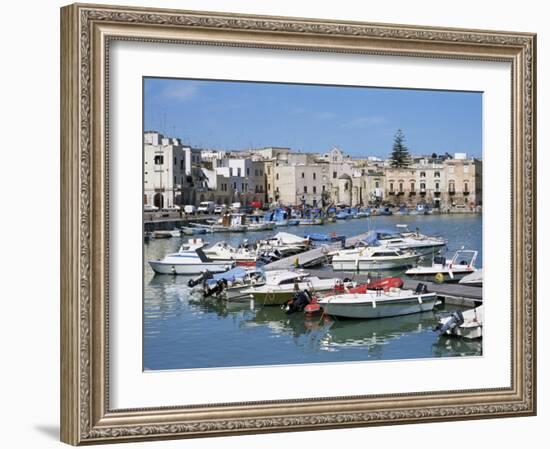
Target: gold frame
(86, 31)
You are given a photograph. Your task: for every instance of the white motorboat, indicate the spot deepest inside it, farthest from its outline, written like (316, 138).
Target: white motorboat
(190, 259)
(222, 251)
(474, 279)
(379, 304)
(373, 258)
(405, 240)
(467, 324)
(445, 270)
(284, 243)
(281, 285)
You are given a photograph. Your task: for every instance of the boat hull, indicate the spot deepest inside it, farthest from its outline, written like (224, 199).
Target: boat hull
(373, 265)
(381, 309)
(189, 268)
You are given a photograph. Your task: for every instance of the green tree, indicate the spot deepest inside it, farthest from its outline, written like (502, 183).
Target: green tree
(400, 156)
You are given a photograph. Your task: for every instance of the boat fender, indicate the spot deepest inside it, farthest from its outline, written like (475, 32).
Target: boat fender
(439, 278)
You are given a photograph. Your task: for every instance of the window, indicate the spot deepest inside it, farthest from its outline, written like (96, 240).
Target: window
(234, 186)
(159, 160)
(242, 186)
(377, 184)
(268, 170)
(303, 175)
(181, 164)
(334, 175)
(400, 186)
(422, 186)
(314, 175)
(436, 186)
(422, 174)
(346, 186)
(175, 182)
(451, 169)
(412, 186)
(269, 187)
(239, 172)
(437, 174)
(466, 187)
(247, 172)
(323, 188)
(466, 169)
(277, 176)
(452, 186)
(305, 189)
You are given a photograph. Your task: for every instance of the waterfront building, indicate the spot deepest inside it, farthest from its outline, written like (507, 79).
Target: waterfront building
(449, 184)
(172, 173)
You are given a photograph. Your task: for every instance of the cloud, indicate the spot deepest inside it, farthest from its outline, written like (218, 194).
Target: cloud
(181, 92)
(364, 122)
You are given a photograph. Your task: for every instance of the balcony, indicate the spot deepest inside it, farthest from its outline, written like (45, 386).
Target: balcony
(401, 192)
(466, 192)
(412, 193)
(452, 192)
(437, 193)
(391, 192)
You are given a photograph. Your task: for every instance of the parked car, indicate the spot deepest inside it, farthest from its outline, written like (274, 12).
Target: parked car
(150, 208)
(190, 209)
(206, 207)
(220, 209)
(235, 206)
(174, 208)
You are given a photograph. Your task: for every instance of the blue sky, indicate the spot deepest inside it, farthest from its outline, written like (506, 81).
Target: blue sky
(229, 115)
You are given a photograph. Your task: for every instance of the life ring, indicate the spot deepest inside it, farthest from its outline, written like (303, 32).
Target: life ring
(439, 278)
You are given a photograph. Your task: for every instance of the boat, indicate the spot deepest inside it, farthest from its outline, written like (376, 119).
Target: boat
(373, 258)
(259, 223)
(223, 252)
(342, 215)
(311, 221)
(227, 223)
(285, 243)
(384, 211)
(293, 221)
(281, 285)
(474, 279)
(466, 324)
(228, 285)
(445, 270)
(326, 237)
(162, 234)
(379, 304)
(192, 231)
(363, 213)
(407, 240)
(190, 259)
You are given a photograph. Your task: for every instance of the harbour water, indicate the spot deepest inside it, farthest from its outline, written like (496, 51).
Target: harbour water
(182, 331)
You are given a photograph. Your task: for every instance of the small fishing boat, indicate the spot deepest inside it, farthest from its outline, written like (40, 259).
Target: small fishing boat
(474, 279)
(281, 285)
(190, 259)
(311, 221)
(285, 243)
(373, 258)
(407, 240)
(379, 304)
(445, 270)
(466, 324)
(293, 221)
(228, 285)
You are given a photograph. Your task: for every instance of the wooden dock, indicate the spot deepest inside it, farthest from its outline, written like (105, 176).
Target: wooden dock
(313, 257)
(455, 294)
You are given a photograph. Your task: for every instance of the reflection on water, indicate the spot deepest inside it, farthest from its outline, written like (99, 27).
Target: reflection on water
(184, 331)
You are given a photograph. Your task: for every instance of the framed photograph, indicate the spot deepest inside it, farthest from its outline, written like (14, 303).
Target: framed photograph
(276, 224)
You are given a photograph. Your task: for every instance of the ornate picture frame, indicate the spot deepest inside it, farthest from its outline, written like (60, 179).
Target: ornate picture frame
(87, 32)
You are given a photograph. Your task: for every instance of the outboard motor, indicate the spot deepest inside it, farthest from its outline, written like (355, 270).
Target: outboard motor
(216, 289)
(205, 275)
(455, 320)
(298, 302)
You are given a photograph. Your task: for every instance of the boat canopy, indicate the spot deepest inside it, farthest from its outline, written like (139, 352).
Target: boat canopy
(287, 238)
(231, 275)
(282, 276)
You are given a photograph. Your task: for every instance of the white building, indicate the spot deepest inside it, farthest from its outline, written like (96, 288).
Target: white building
(172, 173)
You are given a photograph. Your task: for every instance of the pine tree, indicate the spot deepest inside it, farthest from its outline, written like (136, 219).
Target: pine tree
(400, 156)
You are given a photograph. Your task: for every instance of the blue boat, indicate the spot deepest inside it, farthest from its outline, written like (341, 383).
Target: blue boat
(343, 215)
(383, 211)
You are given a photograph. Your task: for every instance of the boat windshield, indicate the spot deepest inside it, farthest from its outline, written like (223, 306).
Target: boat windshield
(464, 257)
